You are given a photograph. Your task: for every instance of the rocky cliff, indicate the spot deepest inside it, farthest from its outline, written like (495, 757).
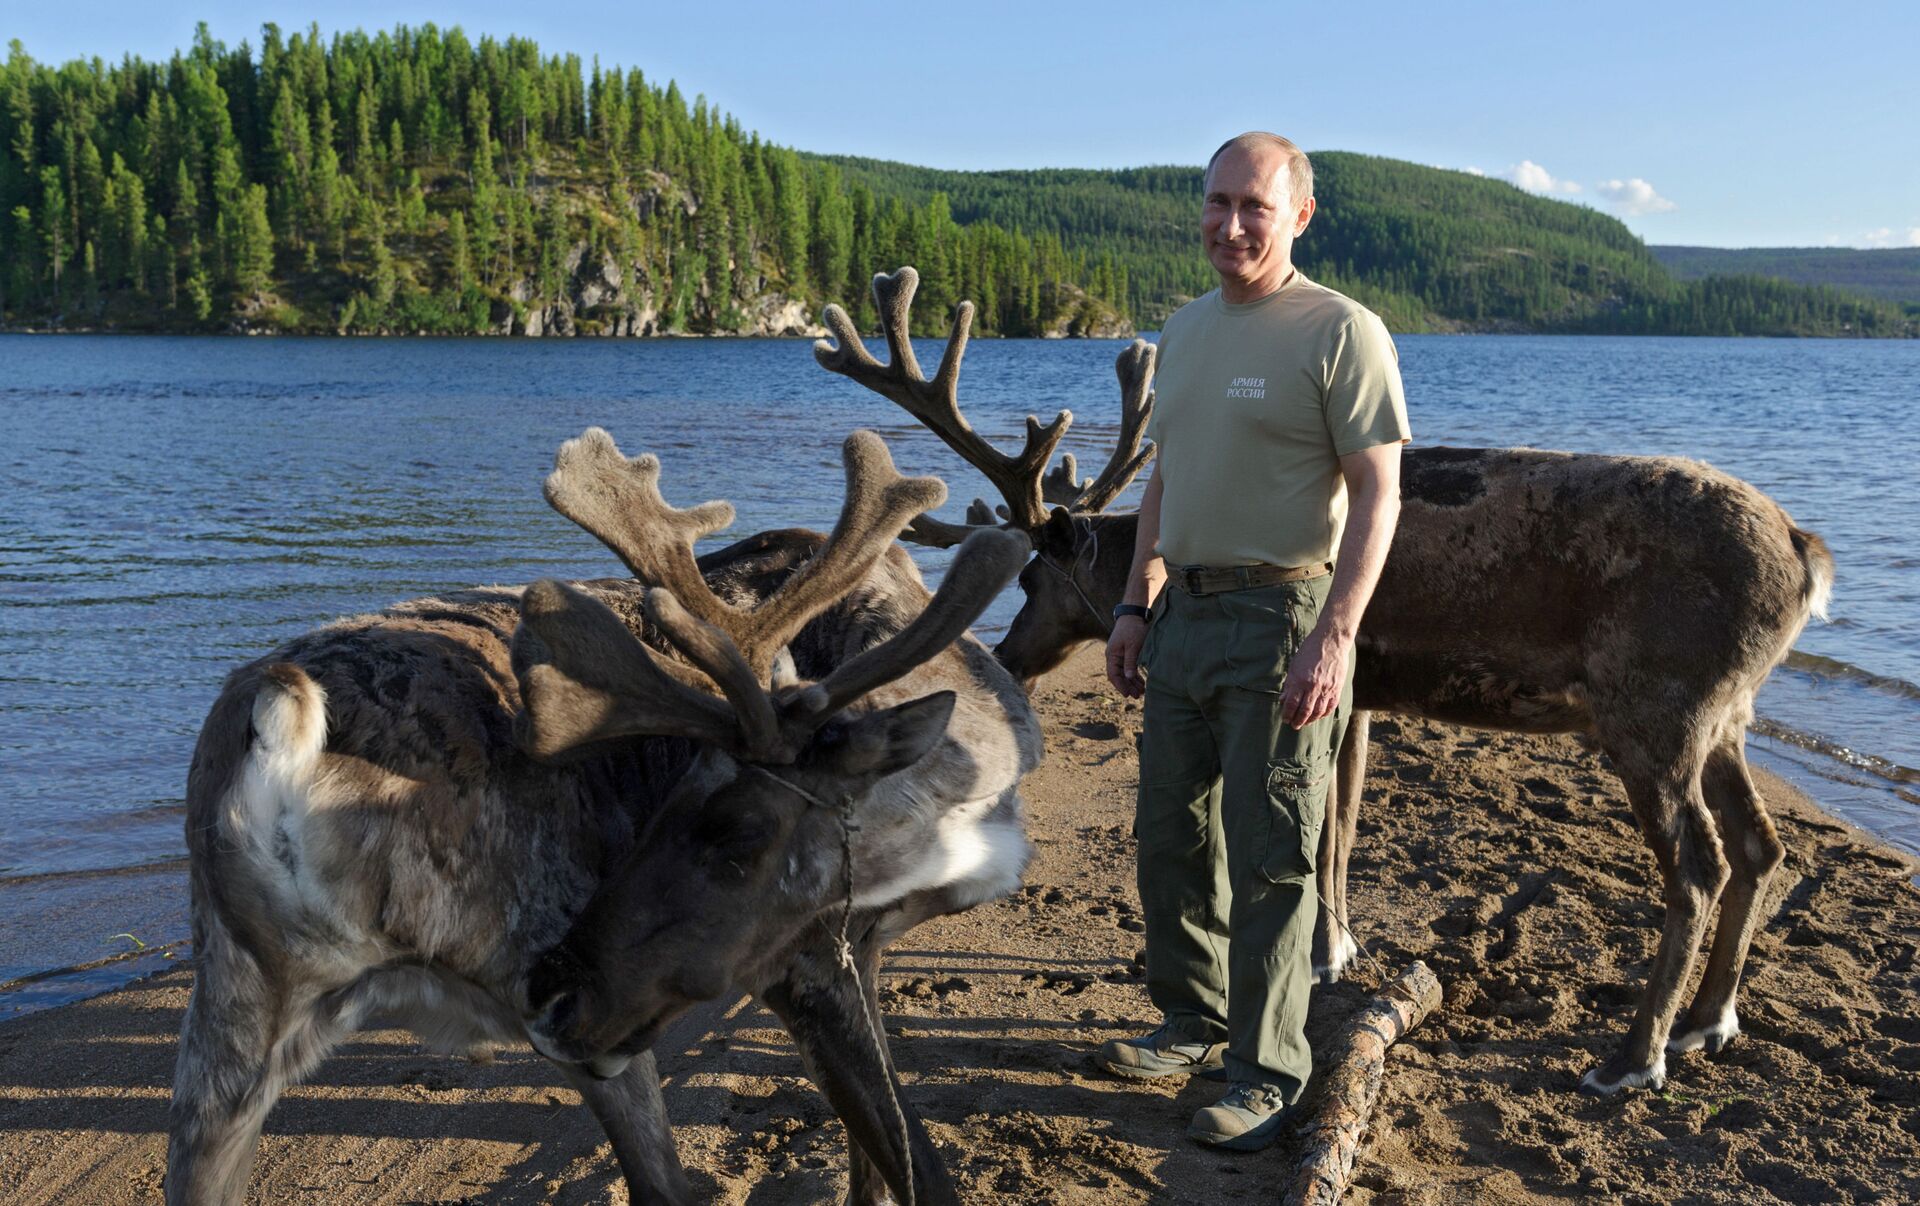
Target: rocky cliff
(604, 297)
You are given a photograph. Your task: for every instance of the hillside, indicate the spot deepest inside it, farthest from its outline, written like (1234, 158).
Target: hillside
(1430, 249)
(417, 181)
(1890, 274)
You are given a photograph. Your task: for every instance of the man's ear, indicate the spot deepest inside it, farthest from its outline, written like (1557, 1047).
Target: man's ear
(1056, 536)
(882, 742)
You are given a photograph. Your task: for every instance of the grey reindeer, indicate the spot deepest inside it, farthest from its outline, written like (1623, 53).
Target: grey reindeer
(1640, 601)
(510, 814)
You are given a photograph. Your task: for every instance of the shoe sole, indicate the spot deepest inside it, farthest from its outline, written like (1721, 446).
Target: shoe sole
(1131, 1072)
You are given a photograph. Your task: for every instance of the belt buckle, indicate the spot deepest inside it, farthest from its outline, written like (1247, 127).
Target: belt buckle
(1192, 575)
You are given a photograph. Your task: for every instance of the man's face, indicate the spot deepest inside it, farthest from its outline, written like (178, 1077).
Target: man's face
(1249, 221)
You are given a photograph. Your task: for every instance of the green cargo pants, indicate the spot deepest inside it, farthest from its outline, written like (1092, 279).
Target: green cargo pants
(1232, 801)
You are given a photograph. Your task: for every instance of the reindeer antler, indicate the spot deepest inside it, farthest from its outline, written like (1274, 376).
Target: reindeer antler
(1134, 367)
(936, 403)
(617, 498)
(988, 560)
(586, 677)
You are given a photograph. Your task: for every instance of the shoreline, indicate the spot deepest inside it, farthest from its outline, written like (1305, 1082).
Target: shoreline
(992, 1014)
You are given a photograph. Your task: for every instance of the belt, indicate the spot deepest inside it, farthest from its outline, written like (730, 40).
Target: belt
(1211, 580)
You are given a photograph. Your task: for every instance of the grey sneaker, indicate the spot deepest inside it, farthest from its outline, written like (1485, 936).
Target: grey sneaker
(1245, 1120)
(1162, 1053)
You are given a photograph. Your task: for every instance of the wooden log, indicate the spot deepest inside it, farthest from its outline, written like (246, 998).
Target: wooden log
(1351, 1086)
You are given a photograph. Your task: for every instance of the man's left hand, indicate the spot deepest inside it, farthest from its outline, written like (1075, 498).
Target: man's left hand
(1315, 676)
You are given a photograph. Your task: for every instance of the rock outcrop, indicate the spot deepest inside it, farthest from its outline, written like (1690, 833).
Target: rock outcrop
(601, 296)
(1073, 313)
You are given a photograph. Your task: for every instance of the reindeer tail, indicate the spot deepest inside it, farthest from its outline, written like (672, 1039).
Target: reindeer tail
(1817, 559)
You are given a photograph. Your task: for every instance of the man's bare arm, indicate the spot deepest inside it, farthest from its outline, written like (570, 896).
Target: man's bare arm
(1319, 669)
(1144, 580)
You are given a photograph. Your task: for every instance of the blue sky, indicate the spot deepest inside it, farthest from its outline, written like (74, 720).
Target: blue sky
(1754, 124)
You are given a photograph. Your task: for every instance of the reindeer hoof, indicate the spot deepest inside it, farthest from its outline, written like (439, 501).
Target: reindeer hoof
(1614, 1075)
(1710, 1037)
(1336, 962)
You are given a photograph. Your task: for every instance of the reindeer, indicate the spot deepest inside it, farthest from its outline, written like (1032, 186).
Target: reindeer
(509, 814)
(1639, 601)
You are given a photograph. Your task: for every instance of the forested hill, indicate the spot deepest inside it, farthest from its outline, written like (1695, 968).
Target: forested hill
(1891, 274)
(419, 181)
(1426, 247)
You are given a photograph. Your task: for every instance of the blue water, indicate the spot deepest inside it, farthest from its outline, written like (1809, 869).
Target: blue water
(175, 506)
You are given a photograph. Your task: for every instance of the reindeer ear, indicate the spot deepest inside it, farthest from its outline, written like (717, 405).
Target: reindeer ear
(1056, 536)
(879, 743)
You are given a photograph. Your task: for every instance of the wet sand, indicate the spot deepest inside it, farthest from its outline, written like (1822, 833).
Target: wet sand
(1511, 864)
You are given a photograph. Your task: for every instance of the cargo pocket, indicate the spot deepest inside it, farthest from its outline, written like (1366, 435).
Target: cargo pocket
(1296, 810)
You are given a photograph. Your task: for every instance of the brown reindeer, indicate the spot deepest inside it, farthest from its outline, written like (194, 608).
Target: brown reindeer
(506, 814)
(1639, 600)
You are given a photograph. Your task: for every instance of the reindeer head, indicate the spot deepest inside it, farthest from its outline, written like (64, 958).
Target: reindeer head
(750, 843)
(1075, 577)
(743, 855)
(1077, 573)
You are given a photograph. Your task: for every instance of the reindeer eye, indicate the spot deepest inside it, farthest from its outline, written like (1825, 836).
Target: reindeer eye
(734, 838)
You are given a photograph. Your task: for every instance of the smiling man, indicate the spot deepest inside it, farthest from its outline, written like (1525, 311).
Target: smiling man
(1273, 499)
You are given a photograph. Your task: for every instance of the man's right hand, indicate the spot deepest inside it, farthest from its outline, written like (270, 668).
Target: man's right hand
(1123, 656)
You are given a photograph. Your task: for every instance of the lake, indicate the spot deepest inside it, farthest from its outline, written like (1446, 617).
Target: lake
(176, 506)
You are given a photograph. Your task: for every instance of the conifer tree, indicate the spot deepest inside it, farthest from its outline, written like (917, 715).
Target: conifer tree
(253, 242)
(53, 224)
(460, 266)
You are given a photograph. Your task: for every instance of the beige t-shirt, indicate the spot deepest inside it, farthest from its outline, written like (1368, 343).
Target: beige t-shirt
(1256, 403)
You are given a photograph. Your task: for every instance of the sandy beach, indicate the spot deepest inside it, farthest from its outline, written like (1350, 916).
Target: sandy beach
(1510, 864)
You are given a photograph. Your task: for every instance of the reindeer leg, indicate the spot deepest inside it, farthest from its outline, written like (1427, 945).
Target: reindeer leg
(1333, 944)
(867, 1185)
(634, 1115)
(1753, 852)
(1673, 816)
(822, 1008)
(244, 1040)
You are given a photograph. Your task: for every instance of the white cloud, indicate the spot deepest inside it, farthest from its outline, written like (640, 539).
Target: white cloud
(1535, 179)
(1887, 236)
(1633, 196)
(1473, 171)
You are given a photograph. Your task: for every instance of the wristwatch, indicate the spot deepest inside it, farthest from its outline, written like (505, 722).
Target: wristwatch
(1129, 609)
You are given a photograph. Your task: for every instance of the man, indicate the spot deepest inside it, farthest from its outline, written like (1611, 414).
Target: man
(1273, 499)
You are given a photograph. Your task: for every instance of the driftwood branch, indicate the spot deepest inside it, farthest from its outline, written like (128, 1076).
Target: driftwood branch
(1352, 1085)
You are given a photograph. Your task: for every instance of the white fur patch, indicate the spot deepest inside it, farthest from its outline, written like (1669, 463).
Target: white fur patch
(290, 729)
(1647, 1078)
(1822, 592)
(1722, 1031)
(269, 799)
(271, 805)
(1342, 954)
(981, 859)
